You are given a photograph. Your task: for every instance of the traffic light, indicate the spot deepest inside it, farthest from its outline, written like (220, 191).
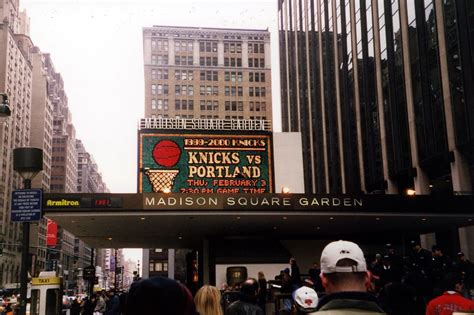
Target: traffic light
(54, 265)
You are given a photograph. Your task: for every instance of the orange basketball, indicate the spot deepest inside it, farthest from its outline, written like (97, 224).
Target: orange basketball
(166, 153)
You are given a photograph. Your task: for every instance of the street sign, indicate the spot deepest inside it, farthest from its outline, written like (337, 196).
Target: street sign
(89, 273)
(27, 205)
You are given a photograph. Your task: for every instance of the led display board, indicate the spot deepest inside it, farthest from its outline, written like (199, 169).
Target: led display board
(205, 162)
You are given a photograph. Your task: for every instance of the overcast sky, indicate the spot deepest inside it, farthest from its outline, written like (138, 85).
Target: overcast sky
(97, 48)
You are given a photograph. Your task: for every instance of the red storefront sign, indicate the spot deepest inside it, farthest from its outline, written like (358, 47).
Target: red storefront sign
(52, 233)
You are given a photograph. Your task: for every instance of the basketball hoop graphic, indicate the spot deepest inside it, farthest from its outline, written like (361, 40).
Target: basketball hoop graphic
(166, 153)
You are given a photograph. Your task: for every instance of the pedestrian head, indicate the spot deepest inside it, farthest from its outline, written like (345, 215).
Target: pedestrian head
(305, 300)
(159, 296)
(249, 290)
(261, 275)
(343, 267)
(436, 250)
(453, 281)
(208, 301)
(461, 256)
(415, 245)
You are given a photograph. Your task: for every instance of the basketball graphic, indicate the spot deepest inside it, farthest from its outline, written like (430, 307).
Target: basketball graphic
(166, 153)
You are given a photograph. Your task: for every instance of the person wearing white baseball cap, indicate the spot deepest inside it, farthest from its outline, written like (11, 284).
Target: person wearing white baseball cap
(344, 276)
(305, 300)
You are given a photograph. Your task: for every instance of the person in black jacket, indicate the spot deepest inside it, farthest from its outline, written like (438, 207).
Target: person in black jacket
(247, 304)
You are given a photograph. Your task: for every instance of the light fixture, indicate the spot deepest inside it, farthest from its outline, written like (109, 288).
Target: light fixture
(109, 238)
(180, 237)
(331, 218)
(142, 218)
(410, 192)
(5, 111)
(238, 218)
(378, 219)
(469, 220)
(285, 190)
(318, 228)
(431, 186)
(274, 227)
(166, 190)
(423, 219)
(284, 218)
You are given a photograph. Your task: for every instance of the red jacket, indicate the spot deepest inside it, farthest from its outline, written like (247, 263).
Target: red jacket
(448, 303)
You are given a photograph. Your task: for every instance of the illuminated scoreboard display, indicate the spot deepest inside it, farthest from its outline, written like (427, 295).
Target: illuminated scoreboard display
(180, 161)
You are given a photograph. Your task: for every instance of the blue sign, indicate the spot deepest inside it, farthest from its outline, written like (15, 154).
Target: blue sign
(27, 205)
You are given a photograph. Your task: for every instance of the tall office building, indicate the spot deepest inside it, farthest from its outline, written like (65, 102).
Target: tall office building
(16, 82)
(64, 169)
(204, 73)
(193, 72)
(382, 91)
(41, 137)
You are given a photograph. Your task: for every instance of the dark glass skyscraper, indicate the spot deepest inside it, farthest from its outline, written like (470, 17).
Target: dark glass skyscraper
(382, 92)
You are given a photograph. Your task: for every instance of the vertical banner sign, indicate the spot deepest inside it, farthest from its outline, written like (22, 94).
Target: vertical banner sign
(52, 233)
(205, 163)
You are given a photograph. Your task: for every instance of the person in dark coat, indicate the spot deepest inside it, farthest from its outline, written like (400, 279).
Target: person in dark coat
(247, 304)
(314, 276)
(76, 306)
(113, 303)
(262, 290)
(159, 296)
(88, 306)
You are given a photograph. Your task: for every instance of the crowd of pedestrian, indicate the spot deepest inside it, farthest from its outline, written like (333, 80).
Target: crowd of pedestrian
(420, 283)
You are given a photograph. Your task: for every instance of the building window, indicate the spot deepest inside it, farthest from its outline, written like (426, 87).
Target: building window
(152, 266)
(158, 267)
(159, 74)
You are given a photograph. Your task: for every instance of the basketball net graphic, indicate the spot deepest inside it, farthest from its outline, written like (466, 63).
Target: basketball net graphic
(166, 153)
(161, 180)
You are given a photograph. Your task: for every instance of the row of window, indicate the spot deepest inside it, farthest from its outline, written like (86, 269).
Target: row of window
(187, 75)
(208, 46)
(207, 61)
(183, 60)
(207, 90)
(209, 116)
(209, 105)
(158, 266)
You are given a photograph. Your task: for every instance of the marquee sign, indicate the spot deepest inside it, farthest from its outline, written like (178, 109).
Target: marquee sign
(205, 163)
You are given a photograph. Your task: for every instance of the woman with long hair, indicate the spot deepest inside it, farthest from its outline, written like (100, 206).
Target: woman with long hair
(208, 301)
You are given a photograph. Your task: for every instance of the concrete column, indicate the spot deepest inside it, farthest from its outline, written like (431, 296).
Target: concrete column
(466, 235)
(427, 240)
(268, 57)
(171, 52)
(421, 180)
(220, 53)
(196, 53)
(245, 55)
(147, 50)
(145, 263)
(323, 101)
(391, 186)
(337, 60)
(171, 256)
(460, 174)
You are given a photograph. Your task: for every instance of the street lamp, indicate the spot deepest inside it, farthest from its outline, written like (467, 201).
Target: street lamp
(27, 162)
